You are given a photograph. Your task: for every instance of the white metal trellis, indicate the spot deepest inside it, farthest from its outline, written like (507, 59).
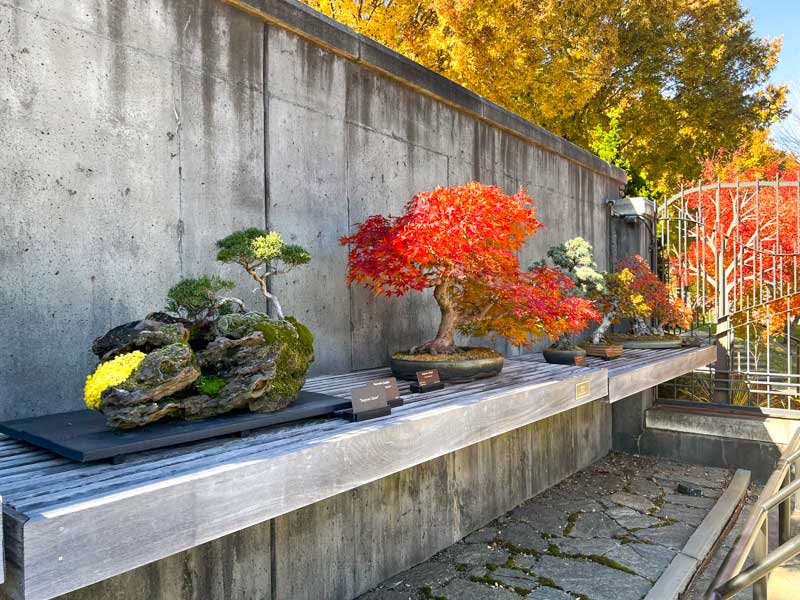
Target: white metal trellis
(731, 251)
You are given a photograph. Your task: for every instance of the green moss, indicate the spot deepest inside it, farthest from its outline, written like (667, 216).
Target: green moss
(664, 523)
(210, 385)
(571, 520)
(522, 591)
(547, 582)
(305, 336)
(607, 562)
(489, 580)
(519, 549)
(553, 550)
(427, 592)
(491, 566)
(461, 567)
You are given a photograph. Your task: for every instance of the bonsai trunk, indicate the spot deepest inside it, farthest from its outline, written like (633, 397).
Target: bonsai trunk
(444, 342)
(262, 283)
(640, 327)
(608, 318)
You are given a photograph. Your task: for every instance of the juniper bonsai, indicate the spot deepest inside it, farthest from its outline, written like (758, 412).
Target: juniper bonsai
(262, 254)
(198, 298)
(575, 259)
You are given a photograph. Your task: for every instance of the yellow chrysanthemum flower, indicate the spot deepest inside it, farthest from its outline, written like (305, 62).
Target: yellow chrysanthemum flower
(108, 374)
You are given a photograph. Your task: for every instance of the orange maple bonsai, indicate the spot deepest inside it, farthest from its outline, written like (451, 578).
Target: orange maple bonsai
(462, 242)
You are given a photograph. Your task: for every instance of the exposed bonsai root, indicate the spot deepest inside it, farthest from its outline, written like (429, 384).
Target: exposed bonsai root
(435, 346)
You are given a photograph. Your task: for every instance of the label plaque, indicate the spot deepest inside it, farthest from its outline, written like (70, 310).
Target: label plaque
(427, 381)
(390, 385)
(428, 378)
(368, 398)
(582, 390)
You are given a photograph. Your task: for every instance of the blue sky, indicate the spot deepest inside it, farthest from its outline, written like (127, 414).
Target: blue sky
(774, 18)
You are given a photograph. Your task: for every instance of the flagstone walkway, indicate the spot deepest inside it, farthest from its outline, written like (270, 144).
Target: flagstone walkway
(607, 533)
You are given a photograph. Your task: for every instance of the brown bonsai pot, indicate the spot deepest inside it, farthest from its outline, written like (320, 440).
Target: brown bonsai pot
(646, 342)
(604, 351)
(565, 357)
(469, 364)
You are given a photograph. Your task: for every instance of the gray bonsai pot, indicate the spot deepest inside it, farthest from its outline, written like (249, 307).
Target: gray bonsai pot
(450, 369)
(562, 357)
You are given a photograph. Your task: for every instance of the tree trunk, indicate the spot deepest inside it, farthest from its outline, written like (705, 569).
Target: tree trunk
(262, 283)
(640, 327)
(597, 336)
(444, 342)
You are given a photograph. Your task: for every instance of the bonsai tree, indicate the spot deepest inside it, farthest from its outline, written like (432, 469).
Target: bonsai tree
(664, 310)
(197, 298)
(634, 292)
(263, 255)
(575, 259)
(462, 242)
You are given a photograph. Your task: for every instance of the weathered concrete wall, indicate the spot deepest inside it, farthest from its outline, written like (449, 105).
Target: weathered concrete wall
(134, 133)
(349, 543)
(715, 438)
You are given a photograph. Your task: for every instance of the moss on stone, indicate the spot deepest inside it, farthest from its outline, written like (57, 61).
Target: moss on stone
(210, 385)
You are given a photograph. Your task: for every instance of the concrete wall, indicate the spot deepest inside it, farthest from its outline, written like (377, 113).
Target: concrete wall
(714, 437)
(347, 544)
(134, 133)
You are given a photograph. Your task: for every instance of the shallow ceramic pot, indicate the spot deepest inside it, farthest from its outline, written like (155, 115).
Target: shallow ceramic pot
(604, 351)
(649, 344)
(564, 357)
(452, 370)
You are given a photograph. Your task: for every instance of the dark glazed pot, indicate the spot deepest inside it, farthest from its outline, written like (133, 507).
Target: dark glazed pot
(452, 370)
(563, 357)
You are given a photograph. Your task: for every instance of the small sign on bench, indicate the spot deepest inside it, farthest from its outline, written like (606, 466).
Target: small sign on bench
(427, 381)
(368, 402)
(389, 384)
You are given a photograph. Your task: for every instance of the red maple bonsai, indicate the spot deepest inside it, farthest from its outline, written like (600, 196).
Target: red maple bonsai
(462, 242)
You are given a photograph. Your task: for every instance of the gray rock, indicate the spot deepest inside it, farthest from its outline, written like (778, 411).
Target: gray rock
(381, 594)
(514, 578)
(695, 501)
(595, 525)
(523, 536)
(647, 560)
(631, 519)
(430, 574)
(597, 546)
(542, 517)
(460, 589)
(484, 535)
(473, 555)
(145, 396)
(684, 514)
(263, 360)
(592, 579)
(633, 501)
(644, 487)
(548, 593)
(145, 335)
(672, 536)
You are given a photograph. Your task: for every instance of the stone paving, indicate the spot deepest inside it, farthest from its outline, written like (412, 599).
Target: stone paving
(607, 533)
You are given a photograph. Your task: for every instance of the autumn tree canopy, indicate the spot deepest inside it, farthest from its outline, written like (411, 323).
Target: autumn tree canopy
(687, 77)
(742, 237)
(463, 241)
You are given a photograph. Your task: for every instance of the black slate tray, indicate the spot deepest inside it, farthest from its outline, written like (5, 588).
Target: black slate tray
(82, 435)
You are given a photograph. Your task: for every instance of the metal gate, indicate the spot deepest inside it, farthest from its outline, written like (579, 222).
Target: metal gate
(731, 251)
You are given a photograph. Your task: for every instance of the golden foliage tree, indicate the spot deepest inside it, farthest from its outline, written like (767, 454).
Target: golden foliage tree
(687, 76)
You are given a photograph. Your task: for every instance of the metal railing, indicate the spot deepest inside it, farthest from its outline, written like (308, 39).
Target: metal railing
(778, 491)
(731, 251)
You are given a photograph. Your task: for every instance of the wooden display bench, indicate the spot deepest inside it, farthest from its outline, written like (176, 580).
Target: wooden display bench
(69, 525)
